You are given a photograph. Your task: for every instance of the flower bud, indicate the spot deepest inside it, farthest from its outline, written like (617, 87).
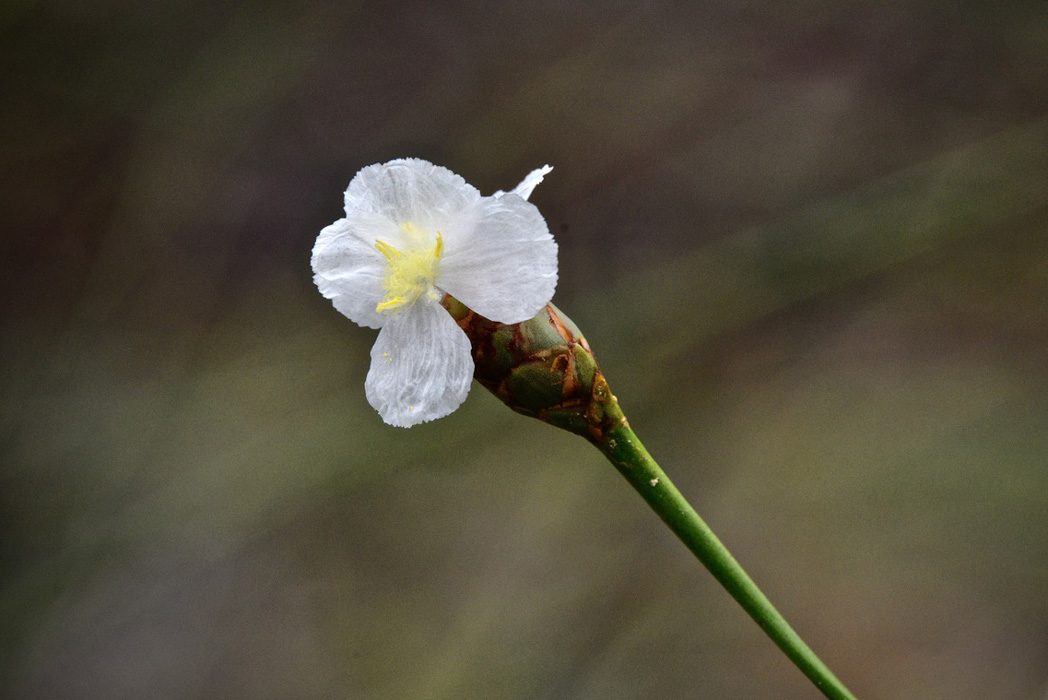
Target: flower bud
(542, 368)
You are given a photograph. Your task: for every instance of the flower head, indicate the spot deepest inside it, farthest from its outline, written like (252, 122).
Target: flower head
(413, 232)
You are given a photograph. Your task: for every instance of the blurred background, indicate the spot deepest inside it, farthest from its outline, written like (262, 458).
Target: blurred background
(807, 242)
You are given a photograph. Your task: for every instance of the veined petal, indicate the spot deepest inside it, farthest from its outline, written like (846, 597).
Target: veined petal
(421, 366)
(527, 185)
(506, 267)
(348, 269)
(410, 191)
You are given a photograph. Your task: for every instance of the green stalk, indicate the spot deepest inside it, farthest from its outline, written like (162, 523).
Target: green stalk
(622, 447)
(544, 368)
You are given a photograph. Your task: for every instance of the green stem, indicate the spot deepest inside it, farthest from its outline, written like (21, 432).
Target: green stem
(626, 452)
(544, 368)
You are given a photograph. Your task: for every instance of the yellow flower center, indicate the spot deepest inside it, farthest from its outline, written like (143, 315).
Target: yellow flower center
(410, 275)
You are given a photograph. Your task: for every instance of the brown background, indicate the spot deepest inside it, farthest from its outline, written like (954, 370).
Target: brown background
(808, 242)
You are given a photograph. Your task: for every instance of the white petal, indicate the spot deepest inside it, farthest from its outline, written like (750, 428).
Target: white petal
(527, 185)
(421, 366)
(349, 270)
(506, 267)
(410, 191)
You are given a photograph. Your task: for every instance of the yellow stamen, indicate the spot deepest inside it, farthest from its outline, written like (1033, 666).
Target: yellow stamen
(411, 274)
(389, 251)
(390, 304)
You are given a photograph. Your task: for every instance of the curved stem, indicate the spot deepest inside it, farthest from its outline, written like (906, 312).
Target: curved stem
(626, 452)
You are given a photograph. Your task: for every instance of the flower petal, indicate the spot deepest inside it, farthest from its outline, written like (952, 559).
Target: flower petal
(421, 366)
(505, 268)
(349, 270)
(527, 185)
(410, 191)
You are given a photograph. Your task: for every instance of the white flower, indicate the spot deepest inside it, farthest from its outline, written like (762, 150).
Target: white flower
(414, 231)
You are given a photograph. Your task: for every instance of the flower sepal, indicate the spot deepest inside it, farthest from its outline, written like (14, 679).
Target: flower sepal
(542, 368)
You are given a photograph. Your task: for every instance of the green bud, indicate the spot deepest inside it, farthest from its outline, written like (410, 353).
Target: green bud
(542, 368)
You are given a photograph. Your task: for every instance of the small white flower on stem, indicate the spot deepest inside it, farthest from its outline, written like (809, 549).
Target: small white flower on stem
(414, 232)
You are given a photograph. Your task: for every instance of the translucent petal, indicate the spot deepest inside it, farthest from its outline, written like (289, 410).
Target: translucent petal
(410, 191)
(505, 268)
(349, 270)
(527, 185)
(421, 366)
